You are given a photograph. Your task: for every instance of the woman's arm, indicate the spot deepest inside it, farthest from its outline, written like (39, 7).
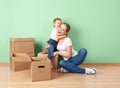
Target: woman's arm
(67, 54)
(61, 36)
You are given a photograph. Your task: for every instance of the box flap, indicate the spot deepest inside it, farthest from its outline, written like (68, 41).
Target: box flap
(40, 58)
(21, 59)
(21, 39)
(19, 55)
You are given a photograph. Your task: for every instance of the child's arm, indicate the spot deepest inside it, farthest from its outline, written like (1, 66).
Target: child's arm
(61, 36)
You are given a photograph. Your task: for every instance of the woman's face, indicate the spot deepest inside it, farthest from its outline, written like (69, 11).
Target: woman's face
(62, 30)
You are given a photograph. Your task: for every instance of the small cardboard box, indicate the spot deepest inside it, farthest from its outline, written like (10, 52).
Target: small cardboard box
(19, 62)
(22, 45)
(54, 60)
(41, 70)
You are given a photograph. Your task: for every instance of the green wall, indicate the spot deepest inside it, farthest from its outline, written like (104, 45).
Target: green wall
(95, 25)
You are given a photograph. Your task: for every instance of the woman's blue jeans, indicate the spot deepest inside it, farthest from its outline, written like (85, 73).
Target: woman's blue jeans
(72, 63)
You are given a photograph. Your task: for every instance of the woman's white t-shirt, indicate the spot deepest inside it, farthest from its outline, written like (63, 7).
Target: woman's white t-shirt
(63, 47)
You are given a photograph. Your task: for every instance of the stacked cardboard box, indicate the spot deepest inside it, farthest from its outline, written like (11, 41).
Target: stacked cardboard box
(21, 49)
(22, 45)
(19, 61)
(22, 58)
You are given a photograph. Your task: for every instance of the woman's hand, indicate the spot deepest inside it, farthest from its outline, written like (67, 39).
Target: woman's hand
(55, 53)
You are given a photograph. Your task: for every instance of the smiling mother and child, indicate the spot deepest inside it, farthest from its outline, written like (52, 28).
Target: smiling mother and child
(60, 44)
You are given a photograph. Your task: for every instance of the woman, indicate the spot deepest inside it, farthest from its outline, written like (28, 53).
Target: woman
(71, 57)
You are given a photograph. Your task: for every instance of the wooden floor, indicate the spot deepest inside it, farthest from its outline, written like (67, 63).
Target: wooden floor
(108, 76)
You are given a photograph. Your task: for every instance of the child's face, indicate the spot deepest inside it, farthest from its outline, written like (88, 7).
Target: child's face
(57, 23)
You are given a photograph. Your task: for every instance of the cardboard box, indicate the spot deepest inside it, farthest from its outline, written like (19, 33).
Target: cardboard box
(54, 60)
(41, 70)
(19, 62)
(22, 45)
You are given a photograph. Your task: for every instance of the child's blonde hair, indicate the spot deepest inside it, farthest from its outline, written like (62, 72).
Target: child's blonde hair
(57, 19)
